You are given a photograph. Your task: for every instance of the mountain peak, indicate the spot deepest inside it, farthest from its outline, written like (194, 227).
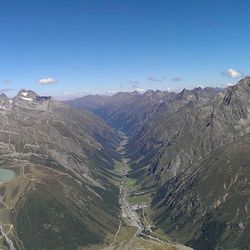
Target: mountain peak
(31, 100)
(3, 96)
(240, 91)
(184, 94)
(26, 94)
(245, 83)
(5, 103)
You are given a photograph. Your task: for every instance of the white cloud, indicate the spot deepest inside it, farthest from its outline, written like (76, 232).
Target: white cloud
(134, 82)
(7, 81)
(232, 73)
(177, 79)
(46, 81)
(155, 79)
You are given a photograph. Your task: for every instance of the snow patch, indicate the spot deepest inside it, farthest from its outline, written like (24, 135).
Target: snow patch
(3, 107)
(26, 99)
(24, 93)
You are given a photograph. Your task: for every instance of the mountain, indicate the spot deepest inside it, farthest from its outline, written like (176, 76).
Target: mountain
(5, 102)
(71, 179)
(63, 194)
(123, 110)
(197, 128)
(185, 145)
(189, 151)
(209, 208)
(177, 152)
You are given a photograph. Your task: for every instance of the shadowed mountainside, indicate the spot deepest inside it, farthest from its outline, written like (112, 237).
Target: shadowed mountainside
(208, 209)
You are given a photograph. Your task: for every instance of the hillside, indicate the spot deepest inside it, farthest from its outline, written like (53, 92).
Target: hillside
(63, 194)
(208, 209)
(172, 149)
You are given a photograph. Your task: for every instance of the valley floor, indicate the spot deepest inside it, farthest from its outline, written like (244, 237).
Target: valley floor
(135, 230)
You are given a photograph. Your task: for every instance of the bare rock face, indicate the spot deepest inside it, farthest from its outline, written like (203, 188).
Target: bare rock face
(5, 103)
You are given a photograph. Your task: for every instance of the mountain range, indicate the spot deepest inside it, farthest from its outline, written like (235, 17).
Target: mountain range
(190, 150)
(64, 186)
(176, 163)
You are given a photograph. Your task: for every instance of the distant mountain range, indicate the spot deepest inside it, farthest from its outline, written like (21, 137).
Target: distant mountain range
(193, 148)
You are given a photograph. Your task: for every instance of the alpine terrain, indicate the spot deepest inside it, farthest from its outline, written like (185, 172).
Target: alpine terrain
(63, 192)
(64, 181)
(124, 125)
(159, 170)
(188, 157)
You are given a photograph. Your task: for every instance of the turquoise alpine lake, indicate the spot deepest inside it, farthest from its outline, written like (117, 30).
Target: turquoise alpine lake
(6, 174)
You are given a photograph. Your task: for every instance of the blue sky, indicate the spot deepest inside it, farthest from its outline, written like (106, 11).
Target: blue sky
(65, 47)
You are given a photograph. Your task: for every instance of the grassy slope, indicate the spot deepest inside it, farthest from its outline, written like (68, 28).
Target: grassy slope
(51, 210)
